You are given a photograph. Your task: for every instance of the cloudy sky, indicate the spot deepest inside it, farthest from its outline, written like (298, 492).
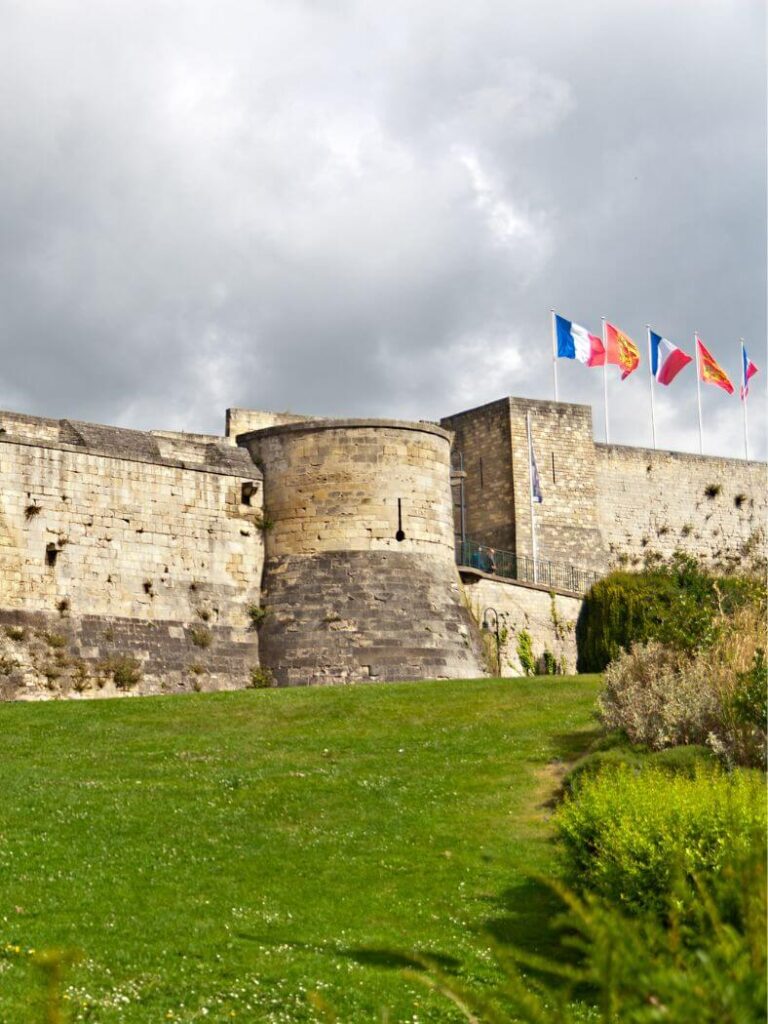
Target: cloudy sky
(356, 207)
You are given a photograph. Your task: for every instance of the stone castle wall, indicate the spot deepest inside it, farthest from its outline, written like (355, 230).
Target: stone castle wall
(548, 618)
(334, 485)
(603, 505)
(567, 524)
(482, 447)
(493, 444)
(149, 536)
(654, 503)
(137, 562)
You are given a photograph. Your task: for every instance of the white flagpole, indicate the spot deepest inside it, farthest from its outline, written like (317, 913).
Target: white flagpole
(698, 391)
(605, 382)
(534, 547)
(650, 373)
(554, 350)
(744, 403)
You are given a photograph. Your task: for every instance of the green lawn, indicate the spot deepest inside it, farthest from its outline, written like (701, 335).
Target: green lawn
(215, 857)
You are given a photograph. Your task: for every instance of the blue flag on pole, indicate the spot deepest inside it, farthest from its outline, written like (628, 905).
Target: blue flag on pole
(536, 494)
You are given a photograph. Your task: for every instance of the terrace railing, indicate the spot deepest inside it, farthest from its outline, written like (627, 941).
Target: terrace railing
(509, 565)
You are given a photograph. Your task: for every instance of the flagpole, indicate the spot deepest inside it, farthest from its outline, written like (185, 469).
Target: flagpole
(698, 390)
(650, 371)
(534, 550)
(744, 401)
(605, 382)
(554, 350)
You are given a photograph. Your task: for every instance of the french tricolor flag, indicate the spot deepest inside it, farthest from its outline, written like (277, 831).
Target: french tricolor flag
(575, 342)
(748, 370)
(667, 360)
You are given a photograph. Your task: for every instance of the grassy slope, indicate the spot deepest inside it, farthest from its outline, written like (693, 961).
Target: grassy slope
(216, 856)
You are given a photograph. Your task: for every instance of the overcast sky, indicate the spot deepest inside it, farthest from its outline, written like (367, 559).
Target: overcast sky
(363, 208)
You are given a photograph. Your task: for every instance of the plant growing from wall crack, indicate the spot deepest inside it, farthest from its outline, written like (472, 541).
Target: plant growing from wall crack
(525, 652)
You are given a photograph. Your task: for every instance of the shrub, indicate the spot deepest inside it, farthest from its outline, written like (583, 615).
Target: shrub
(256, 613)
(200, 636)
(656, 697)
(661, 697)
(627, 833)
(548, 665)
(525, 652)
(55, 640)
(125, 671)
(678, 604)
(262, 521)
(260, 679)
(706, 962)
(686, 760)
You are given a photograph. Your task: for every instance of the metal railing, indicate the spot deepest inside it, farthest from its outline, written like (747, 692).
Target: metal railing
(507, 564)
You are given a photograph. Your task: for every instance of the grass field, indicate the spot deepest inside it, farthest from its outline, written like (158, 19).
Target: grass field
(216, 857)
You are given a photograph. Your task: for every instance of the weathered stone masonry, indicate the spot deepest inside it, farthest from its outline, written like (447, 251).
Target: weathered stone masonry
(129, 546)
(360, 579)
(603, 504)
(321, 550)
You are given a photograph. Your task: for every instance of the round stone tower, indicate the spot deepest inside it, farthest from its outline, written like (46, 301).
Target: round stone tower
(360, 580)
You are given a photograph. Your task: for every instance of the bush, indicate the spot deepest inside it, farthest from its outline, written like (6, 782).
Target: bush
(200, 636)
(525, 652)
(661, 697)
(257, 613)
(260, 679)
(125, 671)
(678, 605)
(705, 963)
(628, 832)
(686, 760)
(656, 697)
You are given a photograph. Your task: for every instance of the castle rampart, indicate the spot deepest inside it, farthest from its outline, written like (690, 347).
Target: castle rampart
(655, 503)
(323, 550)
(603, 505)
(122, 527)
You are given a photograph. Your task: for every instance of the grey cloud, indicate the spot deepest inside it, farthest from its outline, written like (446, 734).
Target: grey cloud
(345, 207)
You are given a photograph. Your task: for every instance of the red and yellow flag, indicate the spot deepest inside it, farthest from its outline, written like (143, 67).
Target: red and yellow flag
(710, 370)
(621, 350)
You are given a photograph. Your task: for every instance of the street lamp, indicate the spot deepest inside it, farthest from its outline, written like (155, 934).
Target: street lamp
(494, 624)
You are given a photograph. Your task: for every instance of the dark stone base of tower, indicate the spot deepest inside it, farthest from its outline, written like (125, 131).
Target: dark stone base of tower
(349, 616)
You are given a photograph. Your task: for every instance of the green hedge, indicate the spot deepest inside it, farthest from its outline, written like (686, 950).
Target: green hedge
(678, 604)
(685, 759)
(628, 832)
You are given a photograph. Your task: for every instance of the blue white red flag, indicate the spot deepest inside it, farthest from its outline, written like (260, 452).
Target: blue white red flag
(536, 494)
(667, 360)
(748, 370)
(575, 342)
